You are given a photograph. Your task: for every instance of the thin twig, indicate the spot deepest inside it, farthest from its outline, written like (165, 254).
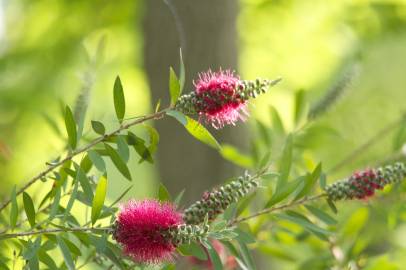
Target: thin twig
(277, 208)
(76, 152)
(374, 139)
(78, 229)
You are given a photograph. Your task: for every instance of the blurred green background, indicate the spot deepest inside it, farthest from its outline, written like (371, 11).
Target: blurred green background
(53, 50)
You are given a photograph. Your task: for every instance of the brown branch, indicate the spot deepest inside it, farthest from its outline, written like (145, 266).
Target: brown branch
(157, 115)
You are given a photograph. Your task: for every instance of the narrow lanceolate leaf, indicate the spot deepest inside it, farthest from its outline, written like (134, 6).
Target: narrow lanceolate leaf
(193, 249)
(122, 148)
(163, 193)
(310, 181)
(72, 198)
(119, 101)
(121, 196)
(84, 182)
(29, 208)
(182, 76)
(65, 253)
(214, 257)
(98, 127)
(98, 200)
(246, 256)
(174, 86)
(196, 129)
(283, 192)
(300, 106)
(70, 125)
(320, 214)
(14, 208)
(139, 146)
(285, 162)
(97, 160)
(118, 162)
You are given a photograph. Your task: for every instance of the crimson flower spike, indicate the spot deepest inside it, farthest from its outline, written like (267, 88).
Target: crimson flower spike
(362, 185)
(220, 98)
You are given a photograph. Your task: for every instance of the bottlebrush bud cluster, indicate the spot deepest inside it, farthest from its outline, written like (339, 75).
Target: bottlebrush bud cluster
(220, 97)
(362, 185)
(216, 201)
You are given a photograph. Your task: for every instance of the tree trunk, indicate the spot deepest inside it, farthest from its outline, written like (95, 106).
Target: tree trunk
(209, 39)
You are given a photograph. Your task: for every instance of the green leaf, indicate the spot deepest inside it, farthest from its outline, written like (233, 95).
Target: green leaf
(72, 198)
(214, 257)
(197, 130)
(283, 192)
(46, 259)
(163, 193)
(98, 127)
(332, 206)
(122, 148)
(277, 123)
(70, 125)
(193, 249)
(320, 214)
(34, 263)
(65, 253)
(174, 86)
(300, 106)
(84, 182)
(86, 164)
(29, 208)
(232, 154)
(304, 222)
(286, 161)
(310, 181)
(178, 116)
(97, 160)
(181, 71)
(119, 100)
(118, 162)
(244, 236)
(55, 204)
(98, 200)
(140, 148)
(153, 138)
(14, 208)
(246, 255)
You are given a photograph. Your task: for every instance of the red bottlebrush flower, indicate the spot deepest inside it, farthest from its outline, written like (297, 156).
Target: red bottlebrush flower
(139, 229)
(219, 101)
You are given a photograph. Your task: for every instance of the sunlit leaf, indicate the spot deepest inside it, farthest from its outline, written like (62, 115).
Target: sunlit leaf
(300, 105)
(29, 208)
(99, 197)
(70, 125)
(119, 100)
(196, 130)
